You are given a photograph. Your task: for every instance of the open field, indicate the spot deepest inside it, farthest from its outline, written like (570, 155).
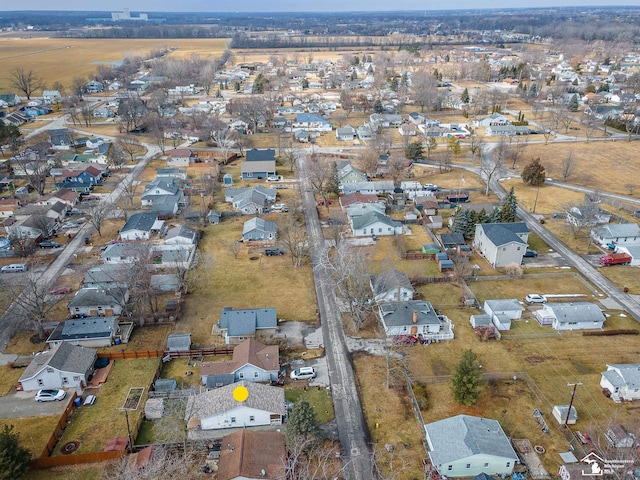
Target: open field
(34, 432)
(63, 59)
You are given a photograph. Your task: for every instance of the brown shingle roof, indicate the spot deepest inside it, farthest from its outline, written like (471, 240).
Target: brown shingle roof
(245, 454)
(357, 197)
(250, 351)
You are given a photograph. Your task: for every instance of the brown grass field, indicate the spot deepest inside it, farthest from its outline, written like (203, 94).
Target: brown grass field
(34, 432)
(62, 59)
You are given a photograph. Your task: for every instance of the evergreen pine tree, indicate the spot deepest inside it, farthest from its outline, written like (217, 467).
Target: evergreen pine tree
(494, 216)
(464, 98)
(468, 381)
(534, 173)
(509, 206)
(14, 458)
(482, 216)
(461, 221)
(574, 104)
(302, 423)
(470, 231)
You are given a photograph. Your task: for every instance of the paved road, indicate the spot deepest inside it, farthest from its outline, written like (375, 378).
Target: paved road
(352, 429)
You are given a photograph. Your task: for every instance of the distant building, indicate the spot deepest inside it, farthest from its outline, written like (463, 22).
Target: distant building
(125, 15)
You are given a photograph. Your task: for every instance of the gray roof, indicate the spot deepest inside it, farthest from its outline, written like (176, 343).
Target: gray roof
(180, 341)
(240, 323)
(165, 384)
(481, 319)
(400, 314)
(181, 231)
(452, 239)
(214, 402)
(617, 230)
(362, 221)
(462, 436)
(65, 357)
(256, 155)
(219, 380)
(257, 223)
(169, 186)
(504, 305)
(140, 221)
(90, 327)
(388, 280)
(503, 233)
(583, 312)
(89, 297)
(126, 250)
(107, 273)
(629, 375)
(166, 282)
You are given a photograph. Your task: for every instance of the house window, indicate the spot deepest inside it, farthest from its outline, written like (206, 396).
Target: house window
(508, 465)
(241, 375)
(518, 248)
(468, 465)
(65, 380)
(449, 467)
(256, 374)
(248, 174)
(40, 382)
(77, 309)
(380, 230)
(252, 418)
(486, 465)
(233, 419)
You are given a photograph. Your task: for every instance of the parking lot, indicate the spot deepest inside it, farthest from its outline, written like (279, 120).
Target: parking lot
(22, 404)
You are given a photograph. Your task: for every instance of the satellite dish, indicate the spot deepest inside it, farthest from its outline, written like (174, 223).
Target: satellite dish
(240, 394)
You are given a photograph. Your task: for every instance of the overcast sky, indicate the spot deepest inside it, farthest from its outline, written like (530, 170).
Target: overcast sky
(294, 5)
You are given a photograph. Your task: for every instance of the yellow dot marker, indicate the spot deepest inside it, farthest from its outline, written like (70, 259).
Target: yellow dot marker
(240, 394)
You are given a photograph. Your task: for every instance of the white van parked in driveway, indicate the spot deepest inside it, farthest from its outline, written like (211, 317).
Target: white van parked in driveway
(14, 267)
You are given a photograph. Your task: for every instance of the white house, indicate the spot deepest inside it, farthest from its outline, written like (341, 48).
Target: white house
(501, 243)
(622, 381)
(257, 228)
(346, 133)
(64, 366)
(466, 446)
(380, 187)
(92, 302)
(181, 235)
(392, 286)
(416, 318)
(571, 316)
(218, 409)
(140, 225)
(503, 311)
(617, 234)
(373, 224)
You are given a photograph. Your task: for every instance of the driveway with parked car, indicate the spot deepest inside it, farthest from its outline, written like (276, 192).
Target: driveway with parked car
(23, 404)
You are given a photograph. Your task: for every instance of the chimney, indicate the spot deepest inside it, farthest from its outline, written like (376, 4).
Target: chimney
(415, 316)
(230, 447)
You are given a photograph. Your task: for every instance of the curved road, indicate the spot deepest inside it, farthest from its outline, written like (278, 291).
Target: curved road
(352, 429)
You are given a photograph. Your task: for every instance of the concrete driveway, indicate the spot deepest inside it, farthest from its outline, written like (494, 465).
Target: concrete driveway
(322, 372)
(22, 404)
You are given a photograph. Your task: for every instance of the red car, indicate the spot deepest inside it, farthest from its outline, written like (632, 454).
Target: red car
(321, 203)
(60, 291)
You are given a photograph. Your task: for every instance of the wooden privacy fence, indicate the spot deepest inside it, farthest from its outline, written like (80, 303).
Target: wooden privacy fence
(127, 355)
(62, 421)
(133, 354)
(77, 458)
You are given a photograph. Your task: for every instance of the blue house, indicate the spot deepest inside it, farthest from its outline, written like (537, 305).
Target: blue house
(238, 325)
(259, 164)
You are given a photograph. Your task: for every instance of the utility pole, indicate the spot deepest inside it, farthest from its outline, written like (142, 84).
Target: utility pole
(573, 394)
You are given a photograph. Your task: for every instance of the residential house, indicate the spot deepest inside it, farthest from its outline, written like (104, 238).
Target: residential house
(238, 325)
(172, 256)
(61, 139)
(466, 446)
(87, 332)
(126, 253)
(259, 164)
(374, 224)
(359, 209)
(181, 235)
(507, 130)
(252, 361)
(140, 225)
(33, 226)
(617, 234)
(346, 133)
(257, 228)
(56, 211)
(163, 195)
(622, 381)
(501, 243)
(93, 87)
(252, 455)
(165, 283)
(416, 318)
(64, 366)
(214, 217)
(179, 342)
(11, 99)
(51, 96)
(381, 187)
(587, 216)
(8, 206)
(357, 199)
(106, 277)
(347, 173)
(250, 201)
(493, 119)
(172, 173)
(427, 205)
(407, 130)
(385, 120)
(64, 195)
(503, 311)
(180, 157)
(311, 122)
(392, 286)
(571, 316)
(451, 241)
(366, 132)
(92, 302)
(217, 409)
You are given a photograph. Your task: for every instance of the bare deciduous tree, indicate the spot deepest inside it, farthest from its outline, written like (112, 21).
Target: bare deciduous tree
(27, 81)
(492, 163)
(164, 465)
(308, 459)
(224, 138)
(130, 146)
(292, 235)
(567, 167)
(98, 213)
(368, 162)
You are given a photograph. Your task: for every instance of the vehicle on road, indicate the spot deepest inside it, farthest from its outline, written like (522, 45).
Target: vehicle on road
(49, 244)
(68, 225)
(270, 252)
(274, 178)
(50, 395)
(530, 253)
(303, 373)
(14, 267)
(431, 187)
(535, 298)
(279, 207)
(60, 291)
(615, 259)
(321, 203)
